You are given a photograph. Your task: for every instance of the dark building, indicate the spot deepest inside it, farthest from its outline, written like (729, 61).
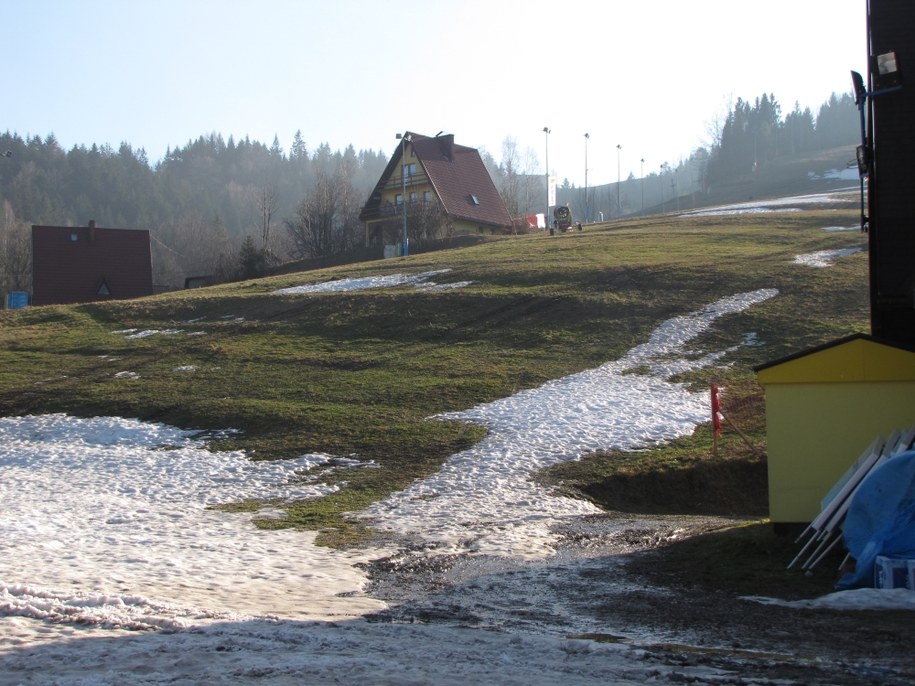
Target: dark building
(76, 264)
(889, 149)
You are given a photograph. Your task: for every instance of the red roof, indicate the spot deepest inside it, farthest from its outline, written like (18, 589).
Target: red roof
(74, 264)
(460, 179)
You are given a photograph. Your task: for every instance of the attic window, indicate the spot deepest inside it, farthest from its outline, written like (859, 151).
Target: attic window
(74, 237)
(103, 289)
(475, 200)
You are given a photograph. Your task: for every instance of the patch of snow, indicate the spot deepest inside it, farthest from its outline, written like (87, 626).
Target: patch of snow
(186, 368)
(362, 283)
(857, 599)
(846, 174)
(793, 203)
(110, 507)
(442, 286)
(823, 258)
(483, 500)
(127, 375)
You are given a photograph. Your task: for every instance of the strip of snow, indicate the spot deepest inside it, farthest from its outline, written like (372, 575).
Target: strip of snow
(362, 283)
(823, 258)
(792, 203)
(857, 599)
(483, 499)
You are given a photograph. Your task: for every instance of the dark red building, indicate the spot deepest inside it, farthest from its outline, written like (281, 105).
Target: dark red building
(75, 264)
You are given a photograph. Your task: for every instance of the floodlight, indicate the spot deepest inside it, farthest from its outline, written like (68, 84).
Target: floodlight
(887, 73)
(858, 84)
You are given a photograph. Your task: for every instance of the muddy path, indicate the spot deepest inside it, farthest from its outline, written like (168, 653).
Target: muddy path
(608, 582)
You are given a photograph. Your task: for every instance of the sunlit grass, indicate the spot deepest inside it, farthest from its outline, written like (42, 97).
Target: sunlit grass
(361, 373)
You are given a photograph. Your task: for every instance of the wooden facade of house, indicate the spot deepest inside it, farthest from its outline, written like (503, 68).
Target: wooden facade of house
(76, 264)
(444, 188)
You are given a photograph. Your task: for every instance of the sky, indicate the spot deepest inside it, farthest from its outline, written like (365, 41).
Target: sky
(651, 76)
(114, 567)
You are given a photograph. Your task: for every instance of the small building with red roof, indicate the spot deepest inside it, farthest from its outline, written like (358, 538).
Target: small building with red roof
(77, 264)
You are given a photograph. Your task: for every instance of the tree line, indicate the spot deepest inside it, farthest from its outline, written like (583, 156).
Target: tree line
(755, 134)
(206, 204)
(230, 209)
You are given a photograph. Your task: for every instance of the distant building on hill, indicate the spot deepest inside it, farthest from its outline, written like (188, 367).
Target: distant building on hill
(76, 264)
(444, 189)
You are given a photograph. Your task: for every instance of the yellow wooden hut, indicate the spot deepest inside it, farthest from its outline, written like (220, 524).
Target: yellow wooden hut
(824, 407)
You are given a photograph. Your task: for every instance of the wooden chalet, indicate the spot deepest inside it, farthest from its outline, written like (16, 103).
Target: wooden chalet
(444, 189)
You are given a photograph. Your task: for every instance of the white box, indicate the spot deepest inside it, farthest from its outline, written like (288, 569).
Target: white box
(891, 572)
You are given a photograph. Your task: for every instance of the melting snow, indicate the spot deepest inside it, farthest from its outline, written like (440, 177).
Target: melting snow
(107, 526)
(824, 258)
(368, 282)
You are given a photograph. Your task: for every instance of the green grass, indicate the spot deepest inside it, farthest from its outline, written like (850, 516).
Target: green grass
(362, 373)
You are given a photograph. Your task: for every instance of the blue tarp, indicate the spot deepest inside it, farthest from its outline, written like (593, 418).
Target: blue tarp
(881, 519)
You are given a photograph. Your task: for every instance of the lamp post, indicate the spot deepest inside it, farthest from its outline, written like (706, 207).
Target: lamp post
(664, 168)
(619, 205)
(403, 192)
(587, 206)
(642, 176)
(546, 136)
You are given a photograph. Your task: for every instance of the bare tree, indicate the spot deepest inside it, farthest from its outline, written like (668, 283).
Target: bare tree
(15, 252)
(511, 181)
(426, 220)
(191, 246)
(326, 222)
(267, 202)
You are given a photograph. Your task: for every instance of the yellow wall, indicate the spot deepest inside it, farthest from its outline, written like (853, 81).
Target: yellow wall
(817, 431)
(417, 183)
(823, 410)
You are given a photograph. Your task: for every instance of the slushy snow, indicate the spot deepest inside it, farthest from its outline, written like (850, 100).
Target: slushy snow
(115, 567)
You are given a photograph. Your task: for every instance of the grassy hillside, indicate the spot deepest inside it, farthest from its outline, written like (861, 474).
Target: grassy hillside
(359, 373)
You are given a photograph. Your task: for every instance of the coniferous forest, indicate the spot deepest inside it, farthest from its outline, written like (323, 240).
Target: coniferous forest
(231, 209)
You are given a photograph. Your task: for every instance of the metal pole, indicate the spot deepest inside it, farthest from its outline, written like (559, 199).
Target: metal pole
(403, 191)
(642, 174)
(619, 205)
(546, 217)
(587, 206)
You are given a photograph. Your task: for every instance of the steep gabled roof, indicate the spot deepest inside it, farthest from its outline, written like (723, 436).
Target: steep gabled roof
(461, 180)
(459, 177)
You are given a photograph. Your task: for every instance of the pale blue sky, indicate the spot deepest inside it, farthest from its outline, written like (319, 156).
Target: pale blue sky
(649, 75)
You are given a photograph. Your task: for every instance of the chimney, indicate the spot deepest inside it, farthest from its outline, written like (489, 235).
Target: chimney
(446, 145)
(91, 231)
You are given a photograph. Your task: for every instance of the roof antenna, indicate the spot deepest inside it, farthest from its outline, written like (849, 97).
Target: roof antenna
(439, 134)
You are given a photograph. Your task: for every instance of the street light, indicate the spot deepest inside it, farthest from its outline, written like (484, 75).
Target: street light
(403, 182)
(619, 205)
(642, 175)
(546, 132)
(587, 206)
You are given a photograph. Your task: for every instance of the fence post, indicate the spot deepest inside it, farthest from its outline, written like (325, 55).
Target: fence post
(716, 418)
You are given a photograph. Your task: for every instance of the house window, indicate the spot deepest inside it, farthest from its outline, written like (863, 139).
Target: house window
(427, 196)
(474, 200)
(409, 171)
(74, 237)
(398, 199)
(413, 197)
